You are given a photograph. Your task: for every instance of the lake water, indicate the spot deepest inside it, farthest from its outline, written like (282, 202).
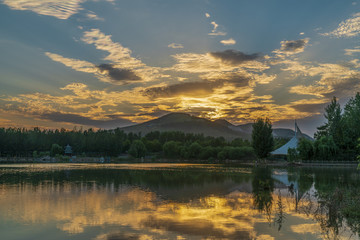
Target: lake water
(177, 201)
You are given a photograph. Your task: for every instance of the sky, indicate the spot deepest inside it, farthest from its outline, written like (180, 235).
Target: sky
(114, 63)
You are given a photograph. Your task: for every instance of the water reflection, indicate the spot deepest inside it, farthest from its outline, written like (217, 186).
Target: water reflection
(178, 203)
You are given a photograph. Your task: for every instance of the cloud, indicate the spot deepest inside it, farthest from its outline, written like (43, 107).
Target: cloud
(104, 72)
(93, 16)
(120, 56)
(217, 34)
(207, 15)
(118, 74)
(314, 90)
(214, 31)
(175, 45)
(200, 88)
(117, 53)
(123, 68)
(229, 41)
(335, 79)
(78, 65)
(234, 57)
(55, 8)
(291, 47)
(348, 28)
(215, 25)
(215, 65)
(78, 119)
(350, 52)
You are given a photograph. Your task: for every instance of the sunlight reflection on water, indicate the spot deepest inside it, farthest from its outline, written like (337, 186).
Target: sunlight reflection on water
(174, 201)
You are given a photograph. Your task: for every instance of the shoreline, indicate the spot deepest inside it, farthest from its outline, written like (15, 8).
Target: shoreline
(101, 160)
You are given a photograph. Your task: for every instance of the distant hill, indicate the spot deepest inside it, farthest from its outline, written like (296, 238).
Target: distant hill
(190, 124)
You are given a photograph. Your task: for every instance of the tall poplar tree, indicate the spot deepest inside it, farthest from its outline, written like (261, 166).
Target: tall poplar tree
(262, 139)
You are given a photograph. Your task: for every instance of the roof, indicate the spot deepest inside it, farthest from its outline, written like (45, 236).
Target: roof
(68, 149)
(293, 143)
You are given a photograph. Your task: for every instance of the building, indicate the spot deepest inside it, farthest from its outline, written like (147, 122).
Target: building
(293, 143)
(68, 150)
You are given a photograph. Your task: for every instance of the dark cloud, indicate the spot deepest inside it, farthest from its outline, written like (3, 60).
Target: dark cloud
(237, 79)
(241, 98)
(200, 88)
(186, 88)
(122, 236)
(234, 57)
(118, 74)
(77, 119)
(310, 108)
(345, 87)
(293, 46)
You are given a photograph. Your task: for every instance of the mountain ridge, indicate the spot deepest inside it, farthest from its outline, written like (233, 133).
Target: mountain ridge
(191, 124)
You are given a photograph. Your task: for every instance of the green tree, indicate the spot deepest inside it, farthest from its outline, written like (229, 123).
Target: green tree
(207, 153)
(262, 139)
(358, 157)
(292, 155)
(194, 150)
(171, 149)
(333, 127)
(153, 146)
(306, 149)
(351, 121)
(325, 148)
(137, 149)
(56, 149)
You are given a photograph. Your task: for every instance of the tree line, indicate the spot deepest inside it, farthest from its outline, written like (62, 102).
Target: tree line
(21, 142)
(339, 138)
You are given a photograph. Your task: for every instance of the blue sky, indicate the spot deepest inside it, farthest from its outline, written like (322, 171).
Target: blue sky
(110, 63)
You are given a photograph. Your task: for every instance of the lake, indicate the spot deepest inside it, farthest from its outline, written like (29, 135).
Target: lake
(177, 201)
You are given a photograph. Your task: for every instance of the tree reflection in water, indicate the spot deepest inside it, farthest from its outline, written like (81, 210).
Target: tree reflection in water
(263, 186)
(216, 202)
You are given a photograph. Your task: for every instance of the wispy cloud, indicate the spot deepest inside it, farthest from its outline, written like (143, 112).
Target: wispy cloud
(175, 45)
(350, 52)
(229, 41)
(55, 8)
(348, 28)
(214, 31)
(123, 69)
(93, 16)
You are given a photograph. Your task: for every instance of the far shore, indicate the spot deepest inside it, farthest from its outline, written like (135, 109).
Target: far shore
(102, 160)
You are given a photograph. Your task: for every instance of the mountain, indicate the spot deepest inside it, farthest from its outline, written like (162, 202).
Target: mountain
(190, 124)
